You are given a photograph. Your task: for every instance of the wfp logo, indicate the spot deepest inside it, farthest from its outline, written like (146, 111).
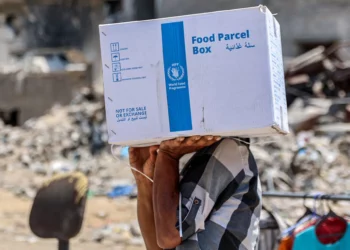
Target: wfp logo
(176, 72)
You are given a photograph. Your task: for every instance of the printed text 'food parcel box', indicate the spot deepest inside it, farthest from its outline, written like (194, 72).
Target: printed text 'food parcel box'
(217, 73)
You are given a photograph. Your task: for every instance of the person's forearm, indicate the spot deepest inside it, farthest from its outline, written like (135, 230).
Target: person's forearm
(166, 200)
(145, 215)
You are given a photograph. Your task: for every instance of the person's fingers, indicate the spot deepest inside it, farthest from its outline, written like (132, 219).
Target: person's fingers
(206, 141)
(149, 165)
(209, 137)
(134, 158)
(172, 143)
(153, 151)
(177, 141)
(180, 139)
(202, 142)
(148, 168)
(132, 153)
(192, 140)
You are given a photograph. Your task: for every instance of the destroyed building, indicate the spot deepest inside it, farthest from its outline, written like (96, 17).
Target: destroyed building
(42, 59)
(47, 78)
(49, 49)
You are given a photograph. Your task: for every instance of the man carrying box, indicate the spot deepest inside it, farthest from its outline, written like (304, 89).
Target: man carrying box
(217, 194)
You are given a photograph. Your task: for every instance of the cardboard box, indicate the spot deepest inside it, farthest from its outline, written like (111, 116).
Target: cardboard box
(218, 73)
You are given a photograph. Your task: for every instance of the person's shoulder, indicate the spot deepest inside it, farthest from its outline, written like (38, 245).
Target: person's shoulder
(234, 154)
(225, 152)
(230, 144)
(225, 143)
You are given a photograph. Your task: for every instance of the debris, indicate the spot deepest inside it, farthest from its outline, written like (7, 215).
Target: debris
(321, 72)
(136, 241)
(66, 139)
(29, 239)
(102, 215)
(123, 190)
(135, 229)
(118, 233)
(61, 166)
(310, 62)
(47, 145)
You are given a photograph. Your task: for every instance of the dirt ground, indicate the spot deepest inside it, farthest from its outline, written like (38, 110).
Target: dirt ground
(15, 233)
(100, 212)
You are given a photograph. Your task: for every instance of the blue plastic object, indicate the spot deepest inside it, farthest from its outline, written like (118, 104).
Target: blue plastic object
(122, 190)
(124, 153)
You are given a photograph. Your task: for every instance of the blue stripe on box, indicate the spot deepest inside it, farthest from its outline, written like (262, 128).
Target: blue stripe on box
(176, 78)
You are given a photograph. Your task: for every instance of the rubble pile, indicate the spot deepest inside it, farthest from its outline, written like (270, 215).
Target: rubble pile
(323, 74)
(120, 233)
(318, 91)
(66, 139)
(305, 162)
(320, 73)
(75, 138)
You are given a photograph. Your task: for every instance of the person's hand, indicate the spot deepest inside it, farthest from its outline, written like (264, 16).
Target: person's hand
(178, 147)
(143, 159)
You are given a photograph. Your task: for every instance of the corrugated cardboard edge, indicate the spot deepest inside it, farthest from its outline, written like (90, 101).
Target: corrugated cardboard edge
(261, 8)
(156, 141)
(264, 9)
(279, 129)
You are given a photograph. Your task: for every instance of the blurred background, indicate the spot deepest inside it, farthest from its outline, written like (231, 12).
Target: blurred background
(52, 116)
